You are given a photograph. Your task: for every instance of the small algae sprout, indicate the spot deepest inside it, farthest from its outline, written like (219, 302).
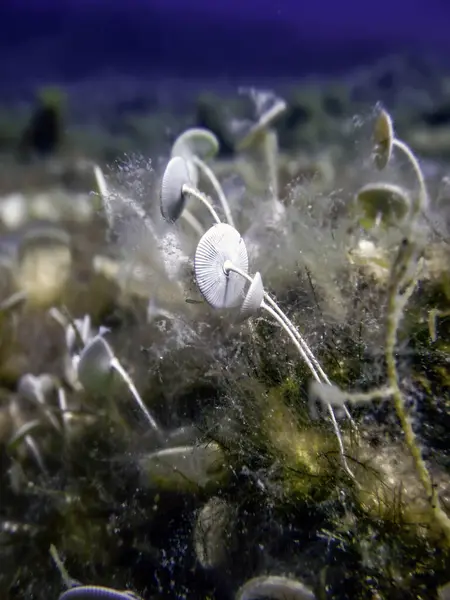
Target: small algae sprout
(263, 137)
(383, 203)
(400, 287)
(385, 143)
(392, 202)
(36, 390)
(80, 331)
(77, 332)
(33, 391)
(221, 271)
(196, 145)
(176, 186)
(23, 430)
(95, 366)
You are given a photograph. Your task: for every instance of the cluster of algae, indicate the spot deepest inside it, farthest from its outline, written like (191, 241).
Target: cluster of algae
(282, 464)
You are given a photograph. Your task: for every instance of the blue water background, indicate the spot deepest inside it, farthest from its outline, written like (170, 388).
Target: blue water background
(69, 39)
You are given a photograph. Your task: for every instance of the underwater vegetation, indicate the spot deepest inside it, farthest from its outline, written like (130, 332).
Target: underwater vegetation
(227, 376)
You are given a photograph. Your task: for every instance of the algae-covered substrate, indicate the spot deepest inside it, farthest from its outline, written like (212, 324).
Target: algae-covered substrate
(226, 375)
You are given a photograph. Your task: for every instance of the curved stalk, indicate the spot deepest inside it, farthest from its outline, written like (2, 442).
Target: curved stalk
(270, 150)
(67, 580)
(194, 193)
(105, 196)
(337, 431)
(306, 348)
(209, 174)
(422, 198)
(64, 408)
(401, 287)
(309, 358)
(193, 222)
(115, 364)
(272, 308)
(34, 450)
(38, 398)
(396, 304)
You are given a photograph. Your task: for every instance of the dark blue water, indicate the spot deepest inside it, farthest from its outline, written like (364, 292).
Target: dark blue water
(69, 39)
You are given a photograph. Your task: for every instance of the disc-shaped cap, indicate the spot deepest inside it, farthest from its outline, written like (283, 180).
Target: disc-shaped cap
(181, 467)
(172, 198)
(274, 587)
(97, 592)
(196, 141)
(383, 136)
(253, 298)
(382, 202)
(220, 243)
(40, 236)
(271, 112)
(94, 365)
(444, 592)
(43, 266)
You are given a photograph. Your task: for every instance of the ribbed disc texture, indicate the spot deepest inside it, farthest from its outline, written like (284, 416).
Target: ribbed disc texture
(172, 200)
(219, 244)
(95, 592)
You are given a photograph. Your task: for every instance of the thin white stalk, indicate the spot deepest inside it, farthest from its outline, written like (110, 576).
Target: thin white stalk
(57, 315)
(34, 450)
(140, 212)
(270, 150)
(115, 364)
(334, 422)
(407, 258)
(287, 329)
(67, 580)
(305, 346)
(421, 199)
(193, 222)
(13, 301)
(299, 337)
(64, 408)
(104, 194)
(306, 349)
(217, 188)
(41, 402)
(100, 181)
(302, 348)
(187, 189)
